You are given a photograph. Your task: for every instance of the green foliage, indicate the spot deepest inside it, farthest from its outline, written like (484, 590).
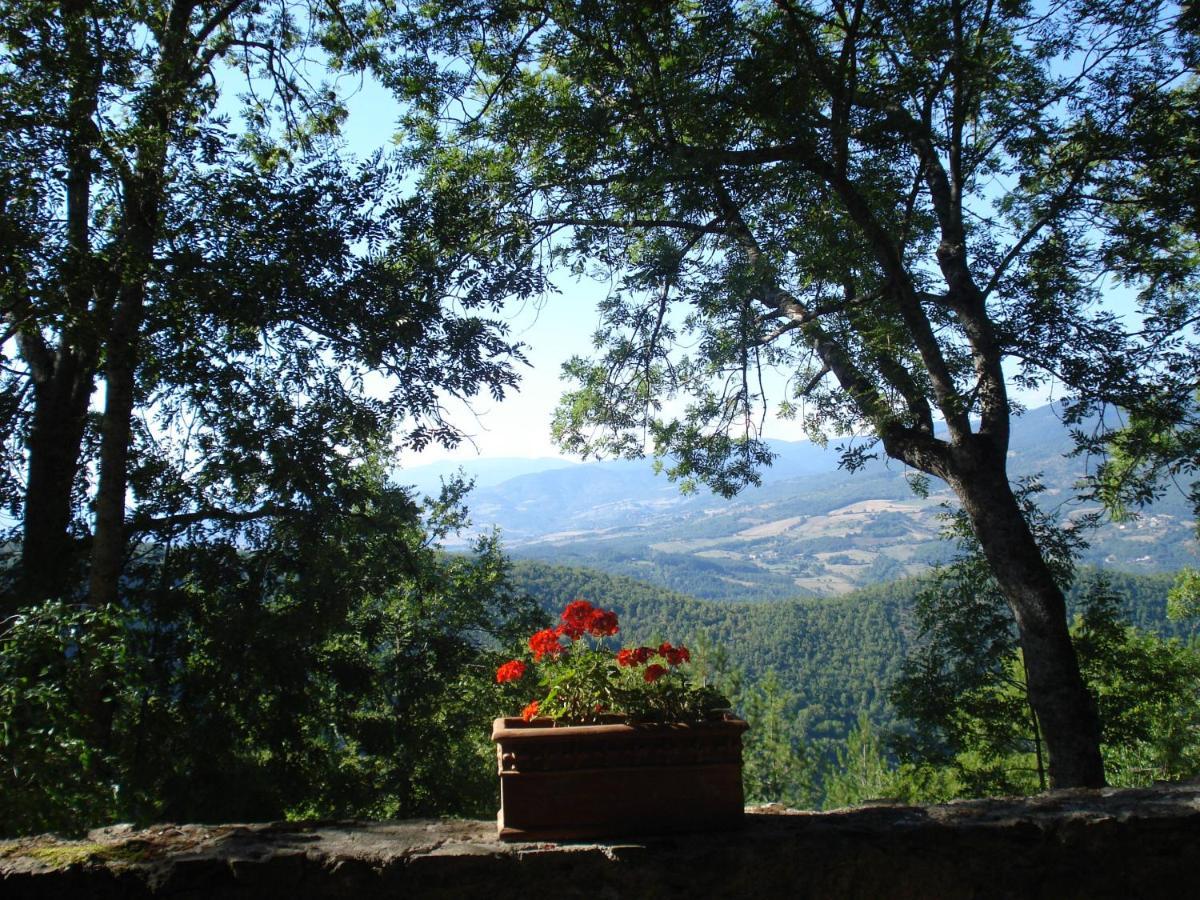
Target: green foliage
(799, 671)
(868, 213)
(803, 671)
(778, 766)
(49, 657)
(1151, 201)
(326, 703)
(1158, 447)
(580, 686)
(964, 687)
(1148, 691)
(283, 310)
(864, 770)
(833, 655)
(1183, 600)
(969, 719)
(848, 232)
(343, 670)
(270, 318)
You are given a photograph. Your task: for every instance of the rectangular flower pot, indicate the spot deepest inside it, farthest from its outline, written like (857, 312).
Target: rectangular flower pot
(589, 781)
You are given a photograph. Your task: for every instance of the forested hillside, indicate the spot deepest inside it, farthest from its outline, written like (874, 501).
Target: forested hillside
(834, 656)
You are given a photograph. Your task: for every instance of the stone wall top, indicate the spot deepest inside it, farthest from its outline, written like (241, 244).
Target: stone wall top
(1095, 844)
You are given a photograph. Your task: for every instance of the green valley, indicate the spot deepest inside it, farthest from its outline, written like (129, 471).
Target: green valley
(832, 658)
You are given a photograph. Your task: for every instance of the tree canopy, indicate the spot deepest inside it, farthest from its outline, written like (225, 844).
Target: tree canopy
(185, 234)
(218, 327)
(907, 211)
(343, 670)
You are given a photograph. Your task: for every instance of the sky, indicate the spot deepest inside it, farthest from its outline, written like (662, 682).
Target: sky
(553, 329)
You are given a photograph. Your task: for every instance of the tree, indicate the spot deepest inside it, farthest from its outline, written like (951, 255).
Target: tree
(261, 314)
(863, 771)
(964, 688)
(1183, 600)
(1148, 691)
(1152, 201)
(267, 319)
(778, 766)
(1157, 448)
(896, 207)
(345, 670)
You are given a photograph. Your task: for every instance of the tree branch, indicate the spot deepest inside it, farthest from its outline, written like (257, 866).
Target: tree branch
(593, 222)
(219, 18)
(916, 446)
(182, 520)
(1056, 206)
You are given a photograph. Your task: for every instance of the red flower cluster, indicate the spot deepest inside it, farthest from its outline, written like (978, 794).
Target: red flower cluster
(673, 655)
(580, 618)
(545, 643)
(556, 647)
(636, 657)
(510, 671)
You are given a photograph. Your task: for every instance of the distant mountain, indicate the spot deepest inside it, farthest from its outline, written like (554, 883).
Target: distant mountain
(810, 529)
(427, 478)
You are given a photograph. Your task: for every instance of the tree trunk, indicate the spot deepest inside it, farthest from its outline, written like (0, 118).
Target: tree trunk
(1064, 706)
(55, 440)
(108, 544)
(144, 188)
(64, 376)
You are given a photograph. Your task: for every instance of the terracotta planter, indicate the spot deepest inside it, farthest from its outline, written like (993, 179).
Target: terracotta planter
(589, 781)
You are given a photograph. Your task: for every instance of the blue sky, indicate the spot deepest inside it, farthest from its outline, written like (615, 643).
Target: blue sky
(554, 329)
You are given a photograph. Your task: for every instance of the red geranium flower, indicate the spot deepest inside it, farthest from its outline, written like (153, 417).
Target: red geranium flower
(674, 655)
(545, 643)
(602, 623)
(575, 619)
(631, 658)
(530, 711)
(654, 672)
(510, 671)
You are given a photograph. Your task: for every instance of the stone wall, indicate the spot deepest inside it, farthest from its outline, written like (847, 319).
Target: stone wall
(1093, 844)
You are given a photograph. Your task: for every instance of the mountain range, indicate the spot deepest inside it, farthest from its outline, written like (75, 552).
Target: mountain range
(809, 529)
